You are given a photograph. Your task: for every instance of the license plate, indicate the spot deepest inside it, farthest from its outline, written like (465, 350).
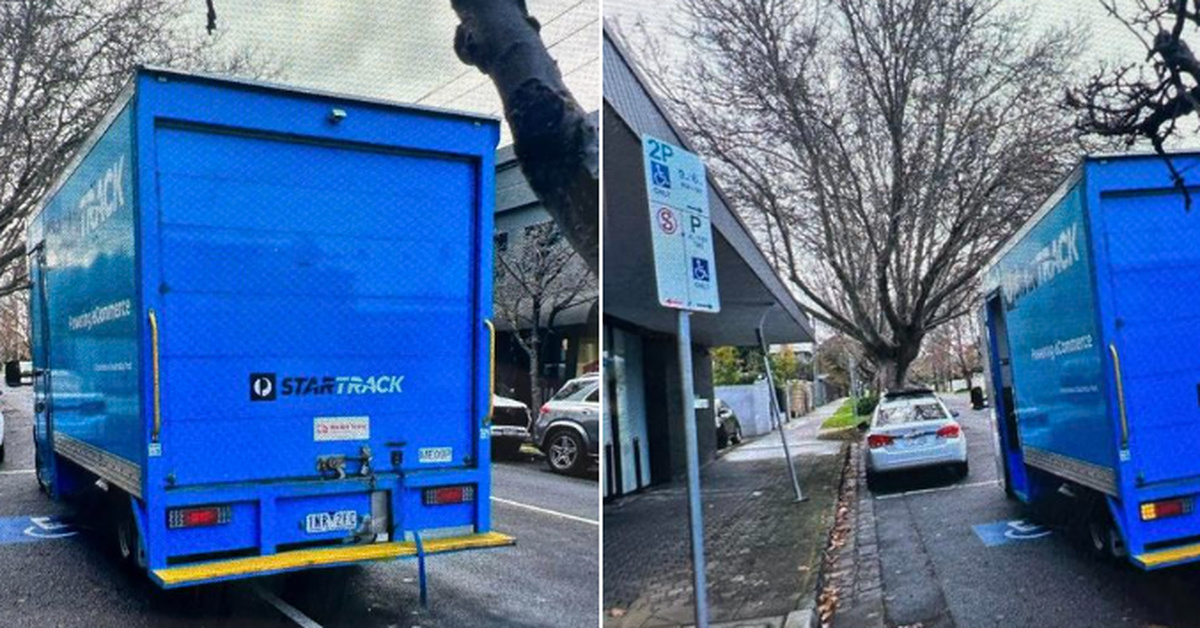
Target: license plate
(318, 522)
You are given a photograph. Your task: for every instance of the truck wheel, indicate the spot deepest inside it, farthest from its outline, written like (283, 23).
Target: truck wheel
(565, 452)
(126, 534)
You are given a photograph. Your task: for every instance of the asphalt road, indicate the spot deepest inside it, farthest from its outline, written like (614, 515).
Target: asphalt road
(550, 578)
(937, 570)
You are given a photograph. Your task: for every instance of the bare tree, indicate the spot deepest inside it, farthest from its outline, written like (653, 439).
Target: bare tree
(1146, 101)
(884, 149)
(62, 64)
(537, 279)
(555, 141)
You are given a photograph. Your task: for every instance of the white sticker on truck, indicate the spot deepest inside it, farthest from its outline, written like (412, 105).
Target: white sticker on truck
(428, 455)
(332, 428)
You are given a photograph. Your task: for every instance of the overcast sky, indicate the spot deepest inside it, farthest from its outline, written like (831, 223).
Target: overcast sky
(1110, 41)
(401, 49)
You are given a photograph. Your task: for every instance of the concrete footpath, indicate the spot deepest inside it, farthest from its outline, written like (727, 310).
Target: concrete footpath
(763, 549)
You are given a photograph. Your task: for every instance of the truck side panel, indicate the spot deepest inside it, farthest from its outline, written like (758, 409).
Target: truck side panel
(1048, 300)
(91, 301)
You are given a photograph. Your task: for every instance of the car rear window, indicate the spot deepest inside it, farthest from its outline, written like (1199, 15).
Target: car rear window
(900, 415)
(574, 390)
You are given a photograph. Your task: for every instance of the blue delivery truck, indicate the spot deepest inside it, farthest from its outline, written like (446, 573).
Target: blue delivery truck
(1092, 345)
(260, 324)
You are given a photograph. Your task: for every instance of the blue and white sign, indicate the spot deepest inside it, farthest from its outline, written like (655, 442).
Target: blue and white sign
(681, 232)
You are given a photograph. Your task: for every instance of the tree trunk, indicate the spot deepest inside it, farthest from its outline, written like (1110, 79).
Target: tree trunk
(535, 368)
(894, 362)
(556, 143)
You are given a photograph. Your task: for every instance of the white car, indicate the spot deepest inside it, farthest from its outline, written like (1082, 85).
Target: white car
(909, 432)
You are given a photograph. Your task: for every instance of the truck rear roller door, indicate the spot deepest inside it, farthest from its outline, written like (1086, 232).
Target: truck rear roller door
(317, 297)
(1154, 260)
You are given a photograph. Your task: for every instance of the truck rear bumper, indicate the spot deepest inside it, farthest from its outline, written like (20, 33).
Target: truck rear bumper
(233, 569)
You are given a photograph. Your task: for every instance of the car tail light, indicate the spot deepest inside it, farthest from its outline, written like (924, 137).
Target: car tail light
(449, 495)
(949, 431)
(875, 441)
(201, 517)
(1167, 508)
(545, 409)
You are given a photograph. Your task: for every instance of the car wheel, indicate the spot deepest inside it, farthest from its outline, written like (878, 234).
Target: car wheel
(872, 481)
(1, 452)
(565, 452)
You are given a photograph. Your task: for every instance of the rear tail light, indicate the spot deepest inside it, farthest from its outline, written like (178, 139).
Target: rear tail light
(201, 517)
(449, 495)
(1167, 508)
(949, 431)
(545, 409)
(875, 441)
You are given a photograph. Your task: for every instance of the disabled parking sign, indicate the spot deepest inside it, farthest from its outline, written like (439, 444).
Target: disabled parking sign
(681, 232)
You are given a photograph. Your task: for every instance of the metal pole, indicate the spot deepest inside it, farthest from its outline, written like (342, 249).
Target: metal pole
(695, 506)
(818, 395)
(787, 454)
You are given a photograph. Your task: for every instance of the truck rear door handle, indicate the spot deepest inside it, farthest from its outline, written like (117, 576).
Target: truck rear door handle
(153, 318)
(1112, 348)
(487, 420)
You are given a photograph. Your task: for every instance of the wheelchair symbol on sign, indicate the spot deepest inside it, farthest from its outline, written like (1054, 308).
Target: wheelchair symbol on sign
(660, 174)
(700, 269)
(1019, 530)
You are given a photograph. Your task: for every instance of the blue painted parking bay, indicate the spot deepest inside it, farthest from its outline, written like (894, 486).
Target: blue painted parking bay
(34, 529)
(1005, 532)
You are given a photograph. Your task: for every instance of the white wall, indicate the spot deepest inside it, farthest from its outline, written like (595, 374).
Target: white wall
(752, 405)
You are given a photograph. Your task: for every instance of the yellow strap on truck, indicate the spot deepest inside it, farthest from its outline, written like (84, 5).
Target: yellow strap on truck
(322, 557)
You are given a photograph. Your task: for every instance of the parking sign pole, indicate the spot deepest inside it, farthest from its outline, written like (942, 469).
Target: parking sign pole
(695, 506)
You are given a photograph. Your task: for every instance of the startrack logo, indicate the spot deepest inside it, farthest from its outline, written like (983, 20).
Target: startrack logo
(262, 385)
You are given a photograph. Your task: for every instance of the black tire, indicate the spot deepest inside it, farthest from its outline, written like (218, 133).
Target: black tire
(1, 453)
(506, 449)
(872, 481)
(565, 452)
(127, 540)
(962, 469)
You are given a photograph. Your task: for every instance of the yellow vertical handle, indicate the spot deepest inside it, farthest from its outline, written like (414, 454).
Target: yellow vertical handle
(1112, 348)
(154, 371)
(491, 371)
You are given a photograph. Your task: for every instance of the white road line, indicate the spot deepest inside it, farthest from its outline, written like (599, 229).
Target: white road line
(939, 489)
(19, 472)
(546, 511)
(292, 613)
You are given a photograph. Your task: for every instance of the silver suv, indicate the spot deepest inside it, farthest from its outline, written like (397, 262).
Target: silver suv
(567, 426)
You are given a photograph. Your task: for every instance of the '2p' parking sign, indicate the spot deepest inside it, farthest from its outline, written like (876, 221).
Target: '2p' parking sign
(677, 188)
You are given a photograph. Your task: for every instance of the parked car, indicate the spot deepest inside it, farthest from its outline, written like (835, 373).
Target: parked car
(568, 425)
(511, 420)
(729, 428)
(914, 431)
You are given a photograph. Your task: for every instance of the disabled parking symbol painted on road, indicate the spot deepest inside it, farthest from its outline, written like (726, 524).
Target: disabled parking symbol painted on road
(32, 529)
(1002, 532)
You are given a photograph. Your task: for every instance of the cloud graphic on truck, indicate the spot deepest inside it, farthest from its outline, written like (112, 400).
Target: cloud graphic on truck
(317, 385)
